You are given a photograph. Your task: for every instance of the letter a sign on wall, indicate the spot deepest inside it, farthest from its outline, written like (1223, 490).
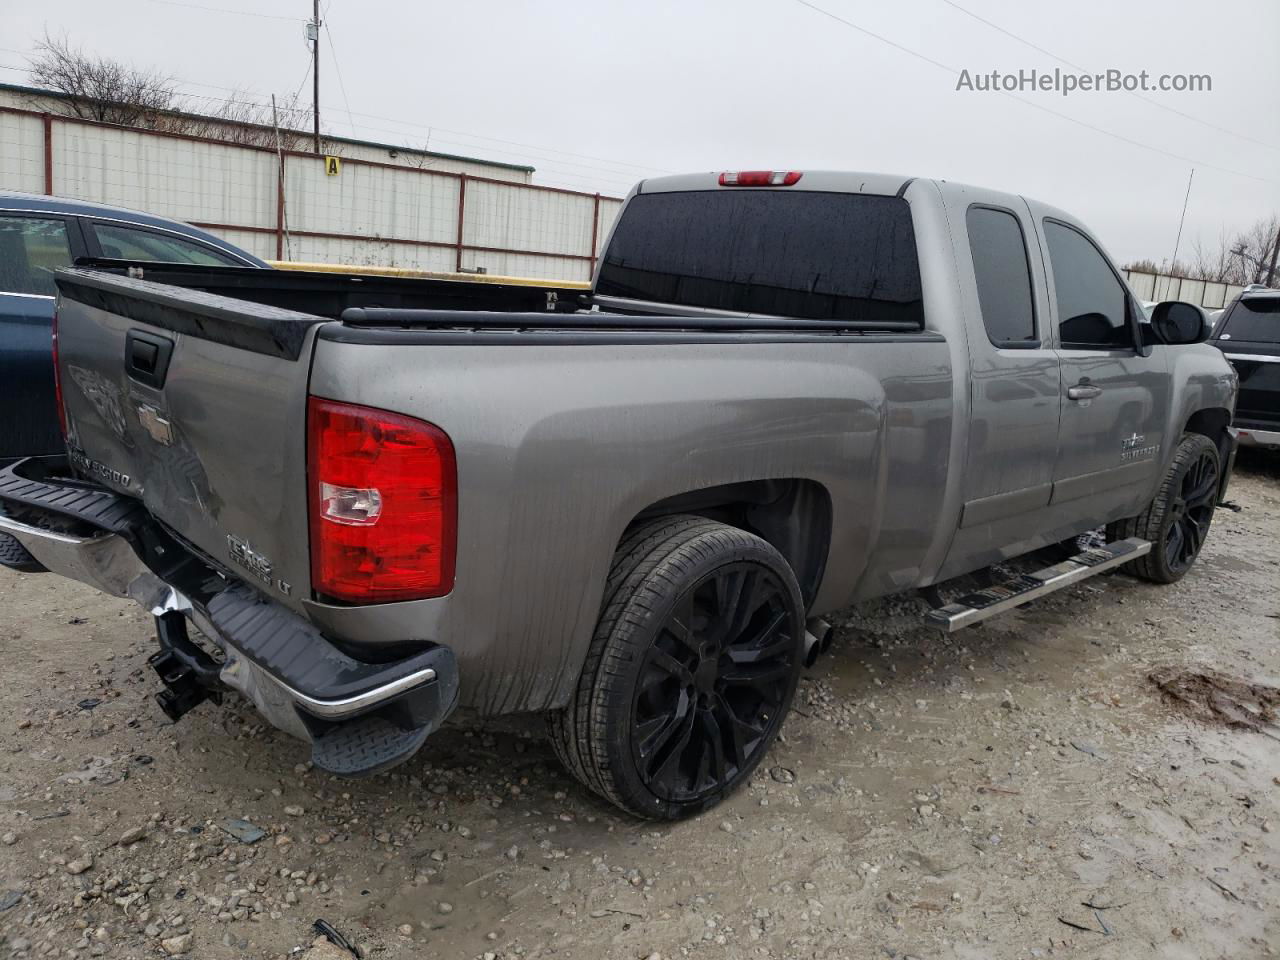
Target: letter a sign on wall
(332, 166)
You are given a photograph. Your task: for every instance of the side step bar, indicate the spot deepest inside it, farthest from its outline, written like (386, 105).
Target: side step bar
(976, 607)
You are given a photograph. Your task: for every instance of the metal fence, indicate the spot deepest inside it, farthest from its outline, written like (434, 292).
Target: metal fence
(286, 205)
(1162, 286)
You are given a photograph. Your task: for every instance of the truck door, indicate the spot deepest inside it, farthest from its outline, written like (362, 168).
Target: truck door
(1014, 385)
(1115, 393)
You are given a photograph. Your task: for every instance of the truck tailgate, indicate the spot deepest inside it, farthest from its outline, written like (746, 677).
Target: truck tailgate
(196, 405)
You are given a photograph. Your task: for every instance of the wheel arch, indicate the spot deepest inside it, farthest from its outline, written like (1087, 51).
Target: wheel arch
(1212, 422)
(794, 515)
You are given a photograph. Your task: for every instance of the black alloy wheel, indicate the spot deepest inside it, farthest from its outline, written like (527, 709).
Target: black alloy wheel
(1191, 511)
(713, 683)
(1177, 520)
(691, 670)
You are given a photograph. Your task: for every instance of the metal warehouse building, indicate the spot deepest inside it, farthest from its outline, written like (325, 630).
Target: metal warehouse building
(379, 205)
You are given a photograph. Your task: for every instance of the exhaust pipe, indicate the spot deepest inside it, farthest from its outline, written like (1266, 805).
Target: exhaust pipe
(823, 631)
(812, 647)
(817, 640)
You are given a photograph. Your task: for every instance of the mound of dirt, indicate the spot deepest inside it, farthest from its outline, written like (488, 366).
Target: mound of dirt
(1215, 698)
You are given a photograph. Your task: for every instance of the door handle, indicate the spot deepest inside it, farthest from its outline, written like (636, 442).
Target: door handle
(1084, 391)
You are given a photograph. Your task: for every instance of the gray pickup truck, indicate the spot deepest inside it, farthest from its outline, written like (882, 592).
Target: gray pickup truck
(787, 392)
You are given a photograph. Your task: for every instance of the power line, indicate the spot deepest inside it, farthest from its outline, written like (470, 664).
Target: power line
(646, 169)
(336, 68)
(1075, 66)
(238, 13)
(554, 172)
(296, 94)
(431, 128)
(1031, 103)
(553, 164)
(619, 177)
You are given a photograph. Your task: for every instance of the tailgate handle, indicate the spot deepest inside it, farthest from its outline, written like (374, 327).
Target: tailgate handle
(146, 357)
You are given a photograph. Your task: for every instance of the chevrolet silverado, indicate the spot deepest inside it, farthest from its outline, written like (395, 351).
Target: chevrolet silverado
(787, 391)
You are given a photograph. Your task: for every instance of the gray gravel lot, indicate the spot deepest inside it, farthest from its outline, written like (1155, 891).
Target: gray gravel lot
(1021, 789)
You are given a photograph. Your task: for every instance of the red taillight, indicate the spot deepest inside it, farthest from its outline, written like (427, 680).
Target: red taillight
(383, 504)
(57, 380)
(760, 178)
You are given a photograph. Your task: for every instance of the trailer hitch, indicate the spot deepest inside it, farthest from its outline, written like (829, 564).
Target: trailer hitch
(189, 674)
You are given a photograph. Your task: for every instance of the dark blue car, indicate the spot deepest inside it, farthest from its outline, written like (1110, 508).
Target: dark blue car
(38, 235)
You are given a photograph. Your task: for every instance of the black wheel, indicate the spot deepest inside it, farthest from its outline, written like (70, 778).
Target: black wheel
(16, 557)
(690, 672)
(1177, 520)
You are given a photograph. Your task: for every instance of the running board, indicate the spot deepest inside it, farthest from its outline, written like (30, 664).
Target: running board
(976, 607)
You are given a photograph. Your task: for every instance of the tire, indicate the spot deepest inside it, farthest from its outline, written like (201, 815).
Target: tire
(1177, 521)
(16, 557)
(677, 704)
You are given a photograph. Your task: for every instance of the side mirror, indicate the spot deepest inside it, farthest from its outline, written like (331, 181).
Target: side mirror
(1176, 323)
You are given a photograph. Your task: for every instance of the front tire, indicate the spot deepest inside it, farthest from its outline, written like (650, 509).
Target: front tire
(691, 670)
(1177, 520)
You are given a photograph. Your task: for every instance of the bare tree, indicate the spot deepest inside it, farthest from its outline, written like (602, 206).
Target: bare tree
(1213, 262)
(1143, 266)
(100, 89)
(1243, 258)
(240, 119)
(97, 88)
(1253, 252)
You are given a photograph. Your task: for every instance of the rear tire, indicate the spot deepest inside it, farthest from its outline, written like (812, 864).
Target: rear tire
(1177, 521)
(690, 672)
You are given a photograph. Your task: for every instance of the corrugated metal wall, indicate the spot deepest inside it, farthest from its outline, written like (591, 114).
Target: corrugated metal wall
(184, 179)
(370, 213)
(1205, 293)
(21, 152)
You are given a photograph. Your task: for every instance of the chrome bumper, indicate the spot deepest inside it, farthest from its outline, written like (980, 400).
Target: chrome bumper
(107, 562)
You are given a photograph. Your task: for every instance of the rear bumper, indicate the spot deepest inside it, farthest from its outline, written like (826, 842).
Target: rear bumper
(360, 717)
(1260, 437)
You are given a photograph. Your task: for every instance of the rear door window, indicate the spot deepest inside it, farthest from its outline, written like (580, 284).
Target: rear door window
(1256, 320)
(135, 243)
(808, 255)
(31, 248)
(1003, 276)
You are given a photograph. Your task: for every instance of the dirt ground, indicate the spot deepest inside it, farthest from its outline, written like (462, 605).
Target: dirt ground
(1022, 789)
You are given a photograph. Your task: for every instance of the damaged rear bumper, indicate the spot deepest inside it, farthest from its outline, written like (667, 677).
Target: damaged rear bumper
(359, 716)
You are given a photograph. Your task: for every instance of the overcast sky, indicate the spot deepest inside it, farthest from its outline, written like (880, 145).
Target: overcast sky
(597, 94)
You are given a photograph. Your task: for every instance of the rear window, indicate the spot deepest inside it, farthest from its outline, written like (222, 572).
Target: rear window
(814, 256)
(1256, 319)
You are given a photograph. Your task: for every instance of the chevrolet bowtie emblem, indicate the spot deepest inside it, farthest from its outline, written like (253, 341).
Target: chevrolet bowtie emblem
(155, 424)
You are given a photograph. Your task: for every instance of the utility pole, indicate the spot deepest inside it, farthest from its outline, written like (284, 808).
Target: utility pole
(315, 70)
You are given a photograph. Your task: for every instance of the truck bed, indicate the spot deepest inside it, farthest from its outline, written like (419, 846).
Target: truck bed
(566, 426)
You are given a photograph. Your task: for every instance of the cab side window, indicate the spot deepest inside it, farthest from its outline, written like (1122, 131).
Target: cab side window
(1093, 306)
(1003, 275)
(31, 248)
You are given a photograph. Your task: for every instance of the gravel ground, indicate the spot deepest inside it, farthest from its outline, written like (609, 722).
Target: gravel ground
(1022, 789)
